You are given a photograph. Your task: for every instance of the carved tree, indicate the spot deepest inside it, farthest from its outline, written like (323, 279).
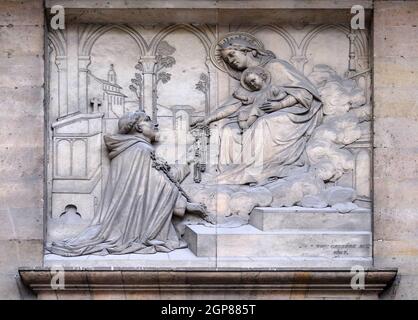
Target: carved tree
(203, 86)
(137, 83)
(164, 60)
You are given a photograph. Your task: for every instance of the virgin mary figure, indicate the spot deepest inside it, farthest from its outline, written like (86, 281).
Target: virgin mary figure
(273, 146)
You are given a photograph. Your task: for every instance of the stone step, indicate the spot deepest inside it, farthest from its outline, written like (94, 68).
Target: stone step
(184, 258)
(298, 218)
(248, 241)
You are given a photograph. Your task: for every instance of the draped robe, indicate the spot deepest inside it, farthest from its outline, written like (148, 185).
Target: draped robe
(136, 208)
(275, 142)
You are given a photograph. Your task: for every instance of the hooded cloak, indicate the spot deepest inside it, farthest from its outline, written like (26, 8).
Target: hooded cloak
(135, 213)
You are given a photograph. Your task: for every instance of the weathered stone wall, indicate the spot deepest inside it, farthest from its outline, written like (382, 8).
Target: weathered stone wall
(21, 141)
(396, 143)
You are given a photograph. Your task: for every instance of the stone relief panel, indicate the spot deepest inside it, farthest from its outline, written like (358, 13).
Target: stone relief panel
(268, 120)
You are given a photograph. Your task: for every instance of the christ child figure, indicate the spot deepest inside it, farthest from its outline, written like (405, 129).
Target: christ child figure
(255, 90)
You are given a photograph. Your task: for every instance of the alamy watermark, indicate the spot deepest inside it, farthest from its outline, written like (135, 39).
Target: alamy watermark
(358, 20)
(58, 20)
(358, 277)
(57, 277)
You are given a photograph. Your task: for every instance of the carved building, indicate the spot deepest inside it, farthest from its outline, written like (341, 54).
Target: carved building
(111, 99)
(322, 209)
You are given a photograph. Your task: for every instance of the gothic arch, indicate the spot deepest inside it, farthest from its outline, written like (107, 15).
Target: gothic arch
(280, 31)
(57, 39)
(202, 36)
(358, 43)
(91, 38)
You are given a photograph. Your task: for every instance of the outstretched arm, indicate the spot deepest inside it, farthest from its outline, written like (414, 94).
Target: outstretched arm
(218, 114)
(223, 112)
(183, 206)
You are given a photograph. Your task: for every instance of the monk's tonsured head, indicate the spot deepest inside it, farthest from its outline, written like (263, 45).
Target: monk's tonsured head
(137, 122)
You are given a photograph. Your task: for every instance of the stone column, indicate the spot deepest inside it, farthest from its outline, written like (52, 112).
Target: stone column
(148, 64)
(83, 103)
(72, 65)
(352, 54)
(61, 63)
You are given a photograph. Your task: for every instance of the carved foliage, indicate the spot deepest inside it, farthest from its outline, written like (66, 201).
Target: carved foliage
(137, 83)
(164, 60)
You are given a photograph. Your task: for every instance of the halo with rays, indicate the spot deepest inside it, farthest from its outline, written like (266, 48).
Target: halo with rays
(230, 38)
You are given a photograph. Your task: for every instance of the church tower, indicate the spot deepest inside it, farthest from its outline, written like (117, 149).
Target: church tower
(111, 75)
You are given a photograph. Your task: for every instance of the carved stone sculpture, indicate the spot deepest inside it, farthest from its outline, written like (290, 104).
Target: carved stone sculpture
(290, 143)
(273, 133)
(273, 145)
(140, 198)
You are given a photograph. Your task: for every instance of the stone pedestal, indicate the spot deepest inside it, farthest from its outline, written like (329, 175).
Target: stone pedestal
(310, 219)
(290, 237)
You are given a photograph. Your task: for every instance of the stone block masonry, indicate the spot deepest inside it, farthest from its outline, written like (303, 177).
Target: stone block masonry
(21, 141)
(395, 180)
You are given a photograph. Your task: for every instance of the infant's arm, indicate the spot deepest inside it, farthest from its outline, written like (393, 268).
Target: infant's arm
(224, 112)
